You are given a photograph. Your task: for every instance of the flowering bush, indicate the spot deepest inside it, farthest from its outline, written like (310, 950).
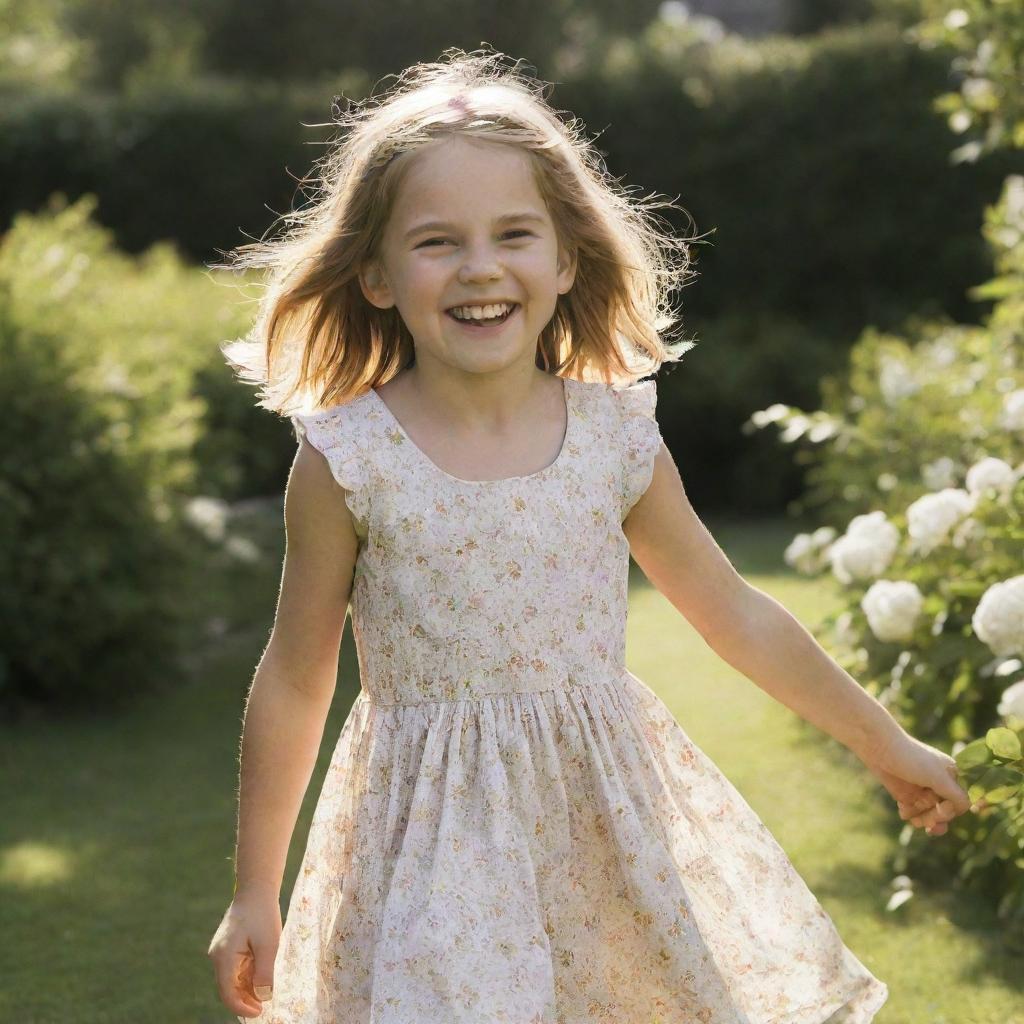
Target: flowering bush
(917, 466)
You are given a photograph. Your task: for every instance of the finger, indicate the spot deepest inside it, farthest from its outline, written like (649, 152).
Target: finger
(226, 976)
(942, 812)
(244, 987)
(915, 807)
(954, 791)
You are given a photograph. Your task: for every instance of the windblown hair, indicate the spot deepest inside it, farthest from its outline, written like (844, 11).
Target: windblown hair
(317, 340)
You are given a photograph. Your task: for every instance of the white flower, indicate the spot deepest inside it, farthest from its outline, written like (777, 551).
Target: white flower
(823, 535)
(956, 18)
(892, 608)
(674, 12)
(999, 618)
(932, 516)
(969, 530)
(805, 551)
(990, 472)
(1013, 195)
(977, 90)
(895, 379)
(942, 351)
(208, 515)
(1013, 410)
(866, 549)
(1012, 701)
(845, 634)
(938, 474)
(242, 549)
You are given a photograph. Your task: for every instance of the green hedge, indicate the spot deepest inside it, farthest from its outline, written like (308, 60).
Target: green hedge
(116, 400)
(818, 163)
(90, 588)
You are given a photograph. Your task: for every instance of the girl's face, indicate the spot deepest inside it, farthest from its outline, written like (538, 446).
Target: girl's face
(469, 228)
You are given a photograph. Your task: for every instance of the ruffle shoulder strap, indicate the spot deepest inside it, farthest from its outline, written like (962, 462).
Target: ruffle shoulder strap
(337, 434)
(640, 439)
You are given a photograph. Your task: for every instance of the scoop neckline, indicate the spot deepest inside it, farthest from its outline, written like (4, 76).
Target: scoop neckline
(563, 452)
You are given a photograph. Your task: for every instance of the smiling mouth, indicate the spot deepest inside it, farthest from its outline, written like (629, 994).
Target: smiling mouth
(493, 322)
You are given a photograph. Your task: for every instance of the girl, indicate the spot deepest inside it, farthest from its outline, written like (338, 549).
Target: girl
(513, 827)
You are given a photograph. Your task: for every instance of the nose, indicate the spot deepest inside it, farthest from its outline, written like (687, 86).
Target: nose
(479, 265)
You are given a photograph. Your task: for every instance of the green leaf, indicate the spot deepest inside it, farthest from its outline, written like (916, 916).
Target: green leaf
(1004, 743)
(998, 777)
(995, 796)
(977, 752)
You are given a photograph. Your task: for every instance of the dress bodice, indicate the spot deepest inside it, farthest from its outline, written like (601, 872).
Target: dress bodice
(463, 589)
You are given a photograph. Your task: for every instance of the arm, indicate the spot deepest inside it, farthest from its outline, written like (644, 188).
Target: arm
(746, 627)
(295, 681)
(760, 638)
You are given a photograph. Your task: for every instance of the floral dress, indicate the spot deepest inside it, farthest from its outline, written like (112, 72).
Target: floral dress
(513, 828)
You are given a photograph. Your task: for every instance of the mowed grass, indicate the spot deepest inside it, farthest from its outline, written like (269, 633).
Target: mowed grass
(117, 834)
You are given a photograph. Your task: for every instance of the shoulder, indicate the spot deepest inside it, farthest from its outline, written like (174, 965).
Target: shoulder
(342, 434)
(343, 425)
(618, 403)
(311, 422)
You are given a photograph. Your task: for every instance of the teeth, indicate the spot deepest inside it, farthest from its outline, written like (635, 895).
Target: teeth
(480, 312)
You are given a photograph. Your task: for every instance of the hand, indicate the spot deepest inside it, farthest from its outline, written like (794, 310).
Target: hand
(922, 780)
(243, 951)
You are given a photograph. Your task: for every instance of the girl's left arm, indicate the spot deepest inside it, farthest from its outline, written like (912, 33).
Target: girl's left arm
(759, 637)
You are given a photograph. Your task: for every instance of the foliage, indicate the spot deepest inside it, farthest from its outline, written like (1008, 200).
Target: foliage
(989, 38)
(89, 595)
(919, 459)
(102, 358)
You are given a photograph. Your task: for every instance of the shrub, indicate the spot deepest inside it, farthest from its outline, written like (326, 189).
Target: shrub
(918, 466)
(90, 591)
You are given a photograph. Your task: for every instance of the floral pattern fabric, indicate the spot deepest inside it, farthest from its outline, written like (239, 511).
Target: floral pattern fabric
(513, 828)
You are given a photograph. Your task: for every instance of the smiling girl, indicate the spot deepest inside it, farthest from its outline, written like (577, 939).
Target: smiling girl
(513, 827)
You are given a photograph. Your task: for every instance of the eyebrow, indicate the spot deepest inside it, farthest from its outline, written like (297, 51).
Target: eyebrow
(441, 225)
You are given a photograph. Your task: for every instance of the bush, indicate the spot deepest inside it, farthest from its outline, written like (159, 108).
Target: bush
(918, 462)
(90, 591)
(101, 356)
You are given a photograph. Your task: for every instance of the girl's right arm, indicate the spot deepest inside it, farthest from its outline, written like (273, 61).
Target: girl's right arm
(284, 721)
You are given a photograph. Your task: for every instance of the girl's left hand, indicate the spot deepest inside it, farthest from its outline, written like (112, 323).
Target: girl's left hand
(922, 780)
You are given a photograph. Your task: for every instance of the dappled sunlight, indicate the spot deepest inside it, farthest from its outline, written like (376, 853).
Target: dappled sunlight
(35, 865)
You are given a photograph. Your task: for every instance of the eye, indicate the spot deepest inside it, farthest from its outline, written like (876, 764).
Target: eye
(430, 241)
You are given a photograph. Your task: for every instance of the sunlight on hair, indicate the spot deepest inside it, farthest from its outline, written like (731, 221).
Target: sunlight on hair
(316, 340)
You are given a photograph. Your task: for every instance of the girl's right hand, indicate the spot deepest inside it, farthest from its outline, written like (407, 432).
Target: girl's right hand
(243, 950)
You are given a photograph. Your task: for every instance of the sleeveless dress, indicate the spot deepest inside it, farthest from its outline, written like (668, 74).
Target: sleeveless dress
(513, 828)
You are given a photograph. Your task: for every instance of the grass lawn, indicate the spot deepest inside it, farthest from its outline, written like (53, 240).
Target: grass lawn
(116, 836)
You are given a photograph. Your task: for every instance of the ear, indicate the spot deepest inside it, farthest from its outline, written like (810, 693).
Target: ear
(567, 261)
(374, 285)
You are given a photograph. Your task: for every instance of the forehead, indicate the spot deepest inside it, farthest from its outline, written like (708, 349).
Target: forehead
(458, 177)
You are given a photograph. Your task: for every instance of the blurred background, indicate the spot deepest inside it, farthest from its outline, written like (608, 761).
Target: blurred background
(853, 410)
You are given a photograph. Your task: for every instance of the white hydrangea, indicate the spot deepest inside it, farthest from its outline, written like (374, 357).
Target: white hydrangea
(866, 549)
(1013, 410)
(892, 608)
(242, 549)
(208, 515)
(931, 518)
(968, 531)
(807, 552)
(1012, 701)
(895, 379)
(940, 473)
(990, 472)
(844, 632)
(999, 618)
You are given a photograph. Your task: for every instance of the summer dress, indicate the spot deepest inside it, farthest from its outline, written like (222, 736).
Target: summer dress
(514, 829)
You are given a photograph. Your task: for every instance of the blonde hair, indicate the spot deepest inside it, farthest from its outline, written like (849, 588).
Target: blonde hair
(317, 340)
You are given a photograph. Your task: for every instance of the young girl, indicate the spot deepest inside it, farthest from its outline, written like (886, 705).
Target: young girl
(513, 827)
